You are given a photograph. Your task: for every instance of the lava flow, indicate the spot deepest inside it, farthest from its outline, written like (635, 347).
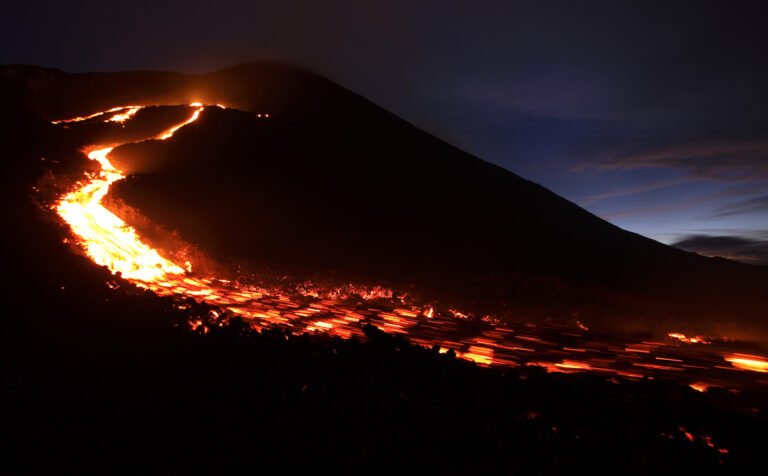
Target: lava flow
(700, 362)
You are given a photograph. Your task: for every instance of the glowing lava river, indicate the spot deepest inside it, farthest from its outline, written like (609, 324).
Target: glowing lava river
(109, 241)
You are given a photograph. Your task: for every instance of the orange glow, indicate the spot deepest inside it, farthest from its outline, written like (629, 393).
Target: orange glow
(170, 132)
(686, 433)
(85, 118)
(458, 314)
(479, 354)
(699, 386)
(688, 340)
(566, 366)
(124, 116)
(107, 239)
(575, 365)
(747, 362)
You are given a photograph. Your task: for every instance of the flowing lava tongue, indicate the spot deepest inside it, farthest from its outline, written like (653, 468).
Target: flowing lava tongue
(110, 242)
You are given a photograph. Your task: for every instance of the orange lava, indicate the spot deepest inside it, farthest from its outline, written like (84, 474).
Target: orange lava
(699, 386)
(566, 366)
(91, 116)
(344, 311)
(170, 132)
(124, 116)
(688, 340)
(748, 362)
(107, 239)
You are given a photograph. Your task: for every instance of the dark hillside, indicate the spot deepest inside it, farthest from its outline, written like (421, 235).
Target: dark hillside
(331, 182)
(99, 377)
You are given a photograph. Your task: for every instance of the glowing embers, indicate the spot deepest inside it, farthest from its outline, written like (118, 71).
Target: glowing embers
(688, 340)
(348, 291)
(124, 116)
(705, 384)
(566, 366)
(685, 434)
(85, 118)
(479, 354)
(748, 362)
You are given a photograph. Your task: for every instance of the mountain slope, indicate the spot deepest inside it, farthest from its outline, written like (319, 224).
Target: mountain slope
(332, 183)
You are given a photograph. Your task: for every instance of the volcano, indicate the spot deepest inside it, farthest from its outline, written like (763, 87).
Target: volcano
(299, 174)
(284, 263)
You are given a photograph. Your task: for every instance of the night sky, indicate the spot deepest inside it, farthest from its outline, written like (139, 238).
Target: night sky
(652, 117)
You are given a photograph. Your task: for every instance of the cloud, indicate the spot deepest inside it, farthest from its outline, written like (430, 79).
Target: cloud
(730, 192)
(729, 161)
(644, 211)
(647, 187)
(751, 205)
(738, 248)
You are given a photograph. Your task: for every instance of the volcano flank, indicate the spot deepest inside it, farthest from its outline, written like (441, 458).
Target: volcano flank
(304, 174)
(258, 268)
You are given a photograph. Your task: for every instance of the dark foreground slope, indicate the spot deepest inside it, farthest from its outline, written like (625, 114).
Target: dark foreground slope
(333, 184)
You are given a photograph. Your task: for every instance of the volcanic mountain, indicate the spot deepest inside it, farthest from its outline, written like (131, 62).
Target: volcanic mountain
(301, 175)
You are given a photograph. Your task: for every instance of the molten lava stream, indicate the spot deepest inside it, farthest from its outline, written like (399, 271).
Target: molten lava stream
(109, 241)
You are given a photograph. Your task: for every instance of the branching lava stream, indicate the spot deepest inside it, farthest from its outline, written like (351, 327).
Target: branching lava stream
(109, 241)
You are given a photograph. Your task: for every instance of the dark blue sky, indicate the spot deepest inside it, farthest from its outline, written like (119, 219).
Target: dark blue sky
(651, 115)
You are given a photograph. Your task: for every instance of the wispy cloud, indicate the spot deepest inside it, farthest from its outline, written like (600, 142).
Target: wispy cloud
(728, 161)
(644, 211)
(751, 205)
(647, 187)
(730, 192)
(738, 248)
